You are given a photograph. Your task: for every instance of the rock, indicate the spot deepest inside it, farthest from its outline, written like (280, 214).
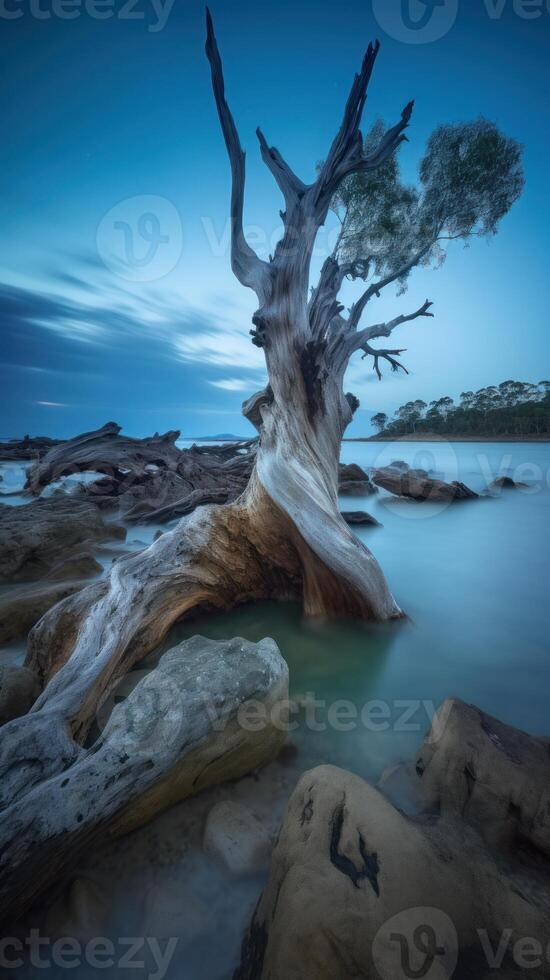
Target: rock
(359, 517)
(27, 448)
(21, 606)
(19, 689)
(414, 484)
(237, 839)
(507, 483)
(82, 912)
(35, 538)
(493, 776)
(211, 711)
(355, 883)
(400, 464)
(354, 480)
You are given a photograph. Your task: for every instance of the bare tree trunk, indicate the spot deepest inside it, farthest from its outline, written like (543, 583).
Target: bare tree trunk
(284, 538)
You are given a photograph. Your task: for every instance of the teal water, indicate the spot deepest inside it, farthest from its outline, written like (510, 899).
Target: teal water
(473, 578)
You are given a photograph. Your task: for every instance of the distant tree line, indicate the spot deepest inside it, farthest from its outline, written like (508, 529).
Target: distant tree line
(511, 408)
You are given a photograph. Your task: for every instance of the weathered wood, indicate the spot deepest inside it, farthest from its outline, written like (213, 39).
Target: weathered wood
(105, 451)
(283, 538)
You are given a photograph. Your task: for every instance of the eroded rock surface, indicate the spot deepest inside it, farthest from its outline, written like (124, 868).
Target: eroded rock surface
(357, 888)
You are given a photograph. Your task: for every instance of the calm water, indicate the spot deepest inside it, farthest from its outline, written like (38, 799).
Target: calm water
(473, 579)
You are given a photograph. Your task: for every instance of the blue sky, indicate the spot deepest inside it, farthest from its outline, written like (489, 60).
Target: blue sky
(109, 120)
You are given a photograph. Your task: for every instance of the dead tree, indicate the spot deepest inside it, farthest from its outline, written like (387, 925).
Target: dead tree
(284, 537)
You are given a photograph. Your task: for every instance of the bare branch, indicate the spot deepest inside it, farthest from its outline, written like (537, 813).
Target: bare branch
(290, 185)
(346, 155)
(358, 340)
(376, 288)
(388, 355)
(247, 266)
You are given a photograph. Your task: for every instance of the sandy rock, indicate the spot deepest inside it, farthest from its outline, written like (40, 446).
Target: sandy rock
(237, 839)
(19, 689)
(354, 879)
(493, 776)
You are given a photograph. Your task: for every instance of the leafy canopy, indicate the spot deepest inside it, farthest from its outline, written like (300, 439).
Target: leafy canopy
(469, 178)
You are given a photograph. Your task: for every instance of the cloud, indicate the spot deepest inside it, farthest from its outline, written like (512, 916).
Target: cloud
(231, 384)
(224, 347)
(53, 404)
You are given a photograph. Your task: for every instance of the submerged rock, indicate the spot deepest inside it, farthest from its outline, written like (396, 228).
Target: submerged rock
(359, 517)
(82, 912)
(354, 480)
(357, 888)
(416, 485)
(506, 482)
(19, 689)
(237, 839)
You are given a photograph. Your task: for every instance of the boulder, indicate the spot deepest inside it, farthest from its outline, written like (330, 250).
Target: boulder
(495, 777)
(19, 689)
(359, 517)
(416, 485)
(210, 711)
(354, 480)
(21, 606)
(35, 538)
(236, 839)
(506, 482)
(358, 888)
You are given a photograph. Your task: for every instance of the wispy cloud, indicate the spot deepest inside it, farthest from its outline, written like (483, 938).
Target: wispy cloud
(53, 404)
(232, 384)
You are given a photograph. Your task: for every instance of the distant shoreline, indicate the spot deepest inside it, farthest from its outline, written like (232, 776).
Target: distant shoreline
(433, 437)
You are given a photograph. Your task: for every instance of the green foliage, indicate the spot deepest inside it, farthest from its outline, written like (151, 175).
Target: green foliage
(512, 408)
(469, 178)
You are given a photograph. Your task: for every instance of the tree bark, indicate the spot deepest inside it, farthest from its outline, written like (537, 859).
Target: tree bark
(283, 538)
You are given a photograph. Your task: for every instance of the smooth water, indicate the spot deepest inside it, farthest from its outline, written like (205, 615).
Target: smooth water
(473, 578)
